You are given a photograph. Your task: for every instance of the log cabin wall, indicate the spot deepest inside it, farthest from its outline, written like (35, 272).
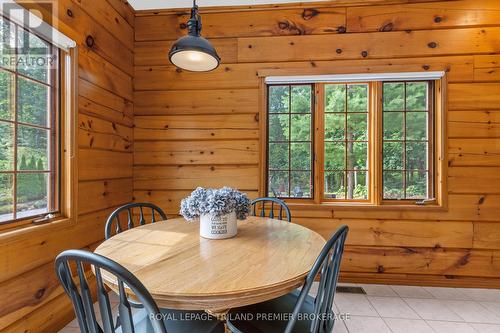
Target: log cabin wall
(31, 299)
(203, 129)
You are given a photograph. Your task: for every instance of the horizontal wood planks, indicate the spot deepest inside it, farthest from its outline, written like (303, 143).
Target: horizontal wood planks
(32, 300)
(202, 129)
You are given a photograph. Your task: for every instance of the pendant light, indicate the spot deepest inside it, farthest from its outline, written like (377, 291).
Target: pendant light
(193, 52)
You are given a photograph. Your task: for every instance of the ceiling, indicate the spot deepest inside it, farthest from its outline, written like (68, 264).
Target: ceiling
(166, 4)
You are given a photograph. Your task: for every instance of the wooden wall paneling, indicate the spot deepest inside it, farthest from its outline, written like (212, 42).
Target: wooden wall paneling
(479, 180)
(196, 152)
(474, 152)
(98, 195)
(474, 124)
(240, 76)
(180, 102)
(423, 16)
(486, 235)
(188, 177)
(473, 96)
(372, 45)
(212, 127)
(125, 10)
(102, 134)
(487, 68)
(410, 260)
(155, 53)
(100, 164)
(300, 21)
(92, 109)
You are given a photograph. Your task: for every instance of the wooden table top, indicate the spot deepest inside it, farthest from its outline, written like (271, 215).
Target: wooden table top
(181, 270)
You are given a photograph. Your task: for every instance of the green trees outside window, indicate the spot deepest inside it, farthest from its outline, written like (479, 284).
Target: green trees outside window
(403, 151)
(27, 125)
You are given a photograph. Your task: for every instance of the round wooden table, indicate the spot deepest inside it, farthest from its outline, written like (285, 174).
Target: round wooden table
(268, 258)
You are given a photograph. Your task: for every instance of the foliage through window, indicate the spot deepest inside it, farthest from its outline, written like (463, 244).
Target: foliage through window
(344, 149)
(29, 139)
(290, 141)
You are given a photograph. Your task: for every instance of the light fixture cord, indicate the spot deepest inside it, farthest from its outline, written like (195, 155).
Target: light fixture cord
(194, 23)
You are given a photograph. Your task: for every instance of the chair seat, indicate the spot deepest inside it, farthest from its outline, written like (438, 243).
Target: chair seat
(272, 316)
(177, 321)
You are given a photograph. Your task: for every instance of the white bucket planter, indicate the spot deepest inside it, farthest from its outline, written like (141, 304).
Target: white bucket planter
(218, 227)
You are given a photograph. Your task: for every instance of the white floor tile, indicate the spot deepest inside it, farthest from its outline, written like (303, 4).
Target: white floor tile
(378, 290)
(432, 309)
(476, 294)
(354, 304)
(68, 329)
(412, 292)
(447, 293)
(392, 307)
(398, 325)
(450, 327)
(473, 312)
(485, 328)
(339, 327)
(363, 324)
(492, 306)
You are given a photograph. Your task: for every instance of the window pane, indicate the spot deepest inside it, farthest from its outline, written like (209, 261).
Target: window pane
(6, 197)
(393, 185)
(334, 185)
(33, 60)
(278, 127)
(416, 184)
(6, 146)
(357, 126)
(416, 96)
(335, 98)
(357, 100)
(393, 125)
(416, 125)
(7, 44)
(300, 184)
(32, 150)
(278, 156)
(301, 127)
(6, 94)
(301, 156)
(394, 96)
(357, 156)
(357, 185)
(279, 99)
(393, 155)
(31, 194)
(334, 126)
(278, 184)
(33, 102)
(301, 99)
(416, 155)
(334, 155)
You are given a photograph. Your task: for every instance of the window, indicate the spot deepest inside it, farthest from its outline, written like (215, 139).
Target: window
(324, 138)
(29, 122)
(290, 141)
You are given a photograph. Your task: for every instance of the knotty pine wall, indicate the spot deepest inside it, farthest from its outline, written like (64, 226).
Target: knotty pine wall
(203, 129)
(31, 299)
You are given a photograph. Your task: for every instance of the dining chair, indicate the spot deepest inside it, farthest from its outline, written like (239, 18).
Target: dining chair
(298, 311)
(273, 202)
(149, 319)
(114, 218)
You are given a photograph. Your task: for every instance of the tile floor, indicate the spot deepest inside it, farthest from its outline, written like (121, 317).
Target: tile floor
(408, 309)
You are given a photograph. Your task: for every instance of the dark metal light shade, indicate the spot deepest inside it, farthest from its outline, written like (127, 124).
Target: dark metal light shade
(194, 53)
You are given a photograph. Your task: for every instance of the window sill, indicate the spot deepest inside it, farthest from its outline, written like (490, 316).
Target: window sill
(23, 227)
(365, 206)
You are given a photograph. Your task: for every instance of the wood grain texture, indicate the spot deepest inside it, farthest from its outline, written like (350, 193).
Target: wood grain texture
(458, 37)
(32, 300)
(267, 258)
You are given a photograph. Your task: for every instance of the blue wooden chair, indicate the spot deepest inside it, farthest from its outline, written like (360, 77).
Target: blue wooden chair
(272, 203)
(149, 319)
(305, 313)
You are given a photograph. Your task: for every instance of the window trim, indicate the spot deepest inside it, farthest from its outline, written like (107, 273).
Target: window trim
(66, 123)
(440, 201)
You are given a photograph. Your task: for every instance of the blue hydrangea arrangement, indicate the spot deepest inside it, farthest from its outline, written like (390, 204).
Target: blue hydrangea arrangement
(215, 201)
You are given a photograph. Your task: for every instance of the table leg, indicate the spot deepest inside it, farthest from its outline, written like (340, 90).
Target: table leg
(220, 315)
